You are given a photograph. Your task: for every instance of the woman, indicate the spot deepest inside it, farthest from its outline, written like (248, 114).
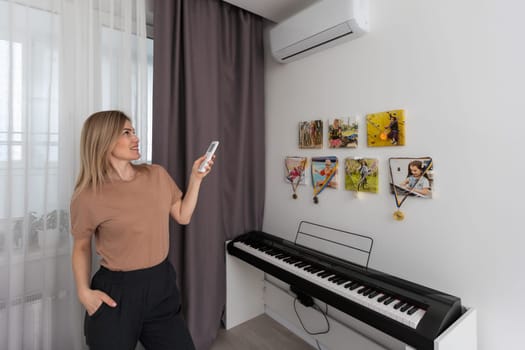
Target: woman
(133, 296)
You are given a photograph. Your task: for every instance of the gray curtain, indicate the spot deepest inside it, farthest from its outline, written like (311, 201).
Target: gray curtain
(209, 85)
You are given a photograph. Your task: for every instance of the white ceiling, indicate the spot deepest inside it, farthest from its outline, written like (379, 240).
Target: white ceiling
(273, 10)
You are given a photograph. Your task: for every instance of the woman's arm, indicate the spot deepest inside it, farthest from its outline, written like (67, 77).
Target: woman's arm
(81, 261)
(183, 209)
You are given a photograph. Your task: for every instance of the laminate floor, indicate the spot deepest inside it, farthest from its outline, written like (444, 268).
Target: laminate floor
(260, 333)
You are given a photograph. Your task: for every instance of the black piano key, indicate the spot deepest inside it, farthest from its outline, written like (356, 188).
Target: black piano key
(336, 279)
(367, 292)
(412, 310)
(373, 294)
(341, 281)
(399, 304)
(333, 278)
(362, 290)
(348, 284)
(405, 307)
(354, 285)
(389, 300)
(382, 298)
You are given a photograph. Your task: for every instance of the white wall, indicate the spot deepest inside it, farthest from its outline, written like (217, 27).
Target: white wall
(458, 69)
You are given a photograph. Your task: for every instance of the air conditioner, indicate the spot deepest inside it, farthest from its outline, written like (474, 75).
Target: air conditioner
(321, 25)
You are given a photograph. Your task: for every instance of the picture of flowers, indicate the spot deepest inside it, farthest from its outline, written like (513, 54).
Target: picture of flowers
(386, 128)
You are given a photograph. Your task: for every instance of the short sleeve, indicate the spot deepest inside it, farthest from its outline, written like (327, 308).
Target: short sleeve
(176, 193)
(82, 223)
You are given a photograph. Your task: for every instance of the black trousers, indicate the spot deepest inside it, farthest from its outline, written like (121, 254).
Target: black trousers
(148, 310)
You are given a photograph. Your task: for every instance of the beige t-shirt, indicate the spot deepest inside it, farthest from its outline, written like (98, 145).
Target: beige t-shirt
(130, 219)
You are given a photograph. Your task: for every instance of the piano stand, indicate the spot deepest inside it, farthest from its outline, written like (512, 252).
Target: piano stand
(244, 291)
(249, 294)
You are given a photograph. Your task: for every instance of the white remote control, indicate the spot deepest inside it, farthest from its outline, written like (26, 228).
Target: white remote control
(209, 154)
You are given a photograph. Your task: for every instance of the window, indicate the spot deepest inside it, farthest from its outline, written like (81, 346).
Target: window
(34, 197)
(10, 100)
(120, 79)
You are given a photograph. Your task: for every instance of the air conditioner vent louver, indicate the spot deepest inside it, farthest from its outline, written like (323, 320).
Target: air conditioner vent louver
(335, 33)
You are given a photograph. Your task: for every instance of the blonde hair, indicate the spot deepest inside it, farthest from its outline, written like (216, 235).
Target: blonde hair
(99, 134)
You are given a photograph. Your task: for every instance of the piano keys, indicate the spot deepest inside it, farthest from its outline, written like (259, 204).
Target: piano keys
(409, 312)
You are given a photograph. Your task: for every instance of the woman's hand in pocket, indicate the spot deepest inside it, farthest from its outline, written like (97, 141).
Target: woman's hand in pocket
(92, 300)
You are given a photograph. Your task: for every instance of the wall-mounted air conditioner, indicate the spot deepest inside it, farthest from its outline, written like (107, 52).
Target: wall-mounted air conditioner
(321, 25)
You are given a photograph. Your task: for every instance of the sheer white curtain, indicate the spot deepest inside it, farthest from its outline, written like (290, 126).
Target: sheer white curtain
(60, 60)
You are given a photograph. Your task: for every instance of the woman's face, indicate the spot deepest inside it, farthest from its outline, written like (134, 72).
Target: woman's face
(127, 145)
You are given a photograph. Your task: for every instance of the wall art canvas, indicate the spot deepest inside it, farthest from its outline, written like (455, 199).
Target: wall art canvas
(361, 175)
(324, 171)
(411, 177)
(311, 134)
(342, 133)
(324, 174)
(295, 168)
(386, 128)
